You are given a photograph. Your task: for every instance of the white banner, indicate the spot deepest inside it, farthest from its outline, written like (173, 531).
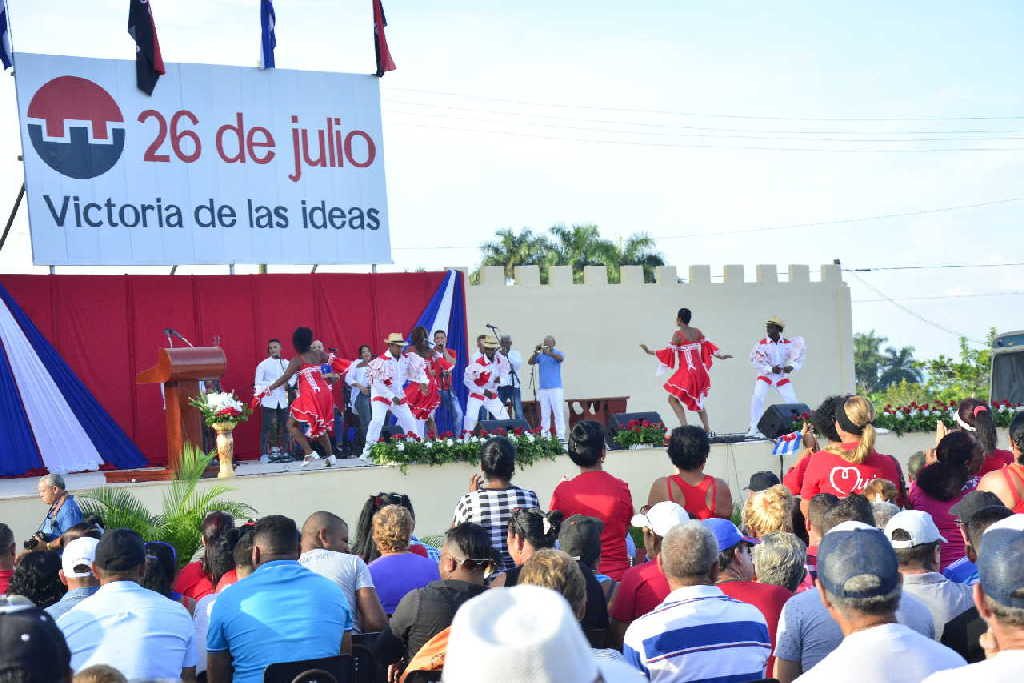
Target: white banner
(221, 165)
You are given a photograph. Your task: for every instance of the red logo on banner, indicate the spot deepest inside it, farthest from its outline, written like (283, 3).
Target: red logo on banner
(76, 127)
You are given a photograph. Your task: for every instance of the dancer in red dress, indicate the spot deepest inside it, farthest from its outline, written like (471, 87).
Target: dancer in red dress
(423, 399)
(690, 354)
(314, 406)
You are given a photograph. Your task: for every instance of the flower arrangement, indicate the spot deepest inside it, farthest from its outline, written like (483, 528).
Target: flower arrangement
(640, 433)
(409, 449)
(220, 407)
(922, 417)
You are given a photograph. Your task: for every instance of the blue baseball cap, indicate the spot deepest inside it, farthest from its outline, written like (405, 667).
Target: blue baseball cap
(726, 533)
(859, 563)
(1001, 566)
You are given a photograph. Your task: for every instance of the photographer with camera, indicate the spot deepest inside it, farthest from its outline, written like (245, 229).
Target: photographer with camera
(63, 514)
(550, 394)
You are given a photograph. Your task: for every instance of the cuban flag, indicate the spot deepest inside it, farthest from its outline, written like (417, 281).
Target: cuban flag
(787, 444)
(6, 54)
(268, 38)
(446, 311)
(48, 419)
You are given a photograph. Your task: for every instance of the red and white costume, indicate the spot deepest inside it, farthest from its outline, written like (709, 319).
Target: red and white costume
(481, 379)
(691, 361)
(422, 403)
(387, 376)
(766, 355)
(314, 406)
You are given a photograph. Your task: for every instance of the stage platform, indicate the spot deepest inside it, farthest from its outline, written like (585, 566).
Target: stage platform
(289, 489)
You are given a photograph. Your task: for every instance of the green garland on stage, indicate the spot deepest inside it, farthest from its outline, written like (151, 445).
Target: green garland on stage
(411, 450)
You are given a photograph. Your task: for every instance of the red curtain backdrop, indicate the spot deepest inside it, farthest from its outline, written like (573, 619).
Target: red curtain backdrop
(109, 328)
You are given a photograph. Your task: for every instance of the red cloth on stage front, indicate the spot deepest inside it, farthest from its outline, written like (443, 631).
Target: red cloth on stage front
(109, 328)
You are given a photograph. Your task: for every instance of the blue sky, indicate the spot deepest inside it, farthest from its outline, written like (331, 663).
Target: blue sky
(681, 119)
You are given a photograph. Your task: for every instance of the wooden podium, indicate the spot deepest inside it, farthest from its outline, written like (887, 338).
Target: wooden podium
(180, 370)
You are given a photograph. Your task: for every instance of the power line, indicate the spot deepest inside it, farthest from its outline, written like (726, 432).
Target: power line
(942, 297)
(748, 117)
(704, 131)
(735, 148)
(937, 266)
(793, 226)
(911, 312)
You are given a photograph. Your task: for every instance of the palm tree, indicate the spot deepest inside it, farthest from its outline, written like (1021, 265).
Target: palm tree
(184, 506)
(898, 365)
(867, 360)
(638, 250)
(582, 245)
(510, 250)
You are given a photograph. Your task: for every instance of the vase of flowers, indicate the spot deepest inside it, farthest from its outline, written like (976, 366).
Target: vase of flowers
(222, 411)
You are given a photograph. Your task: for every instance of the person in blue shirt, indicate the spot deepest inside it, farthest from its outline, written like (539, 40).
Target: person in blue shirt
(63, 514)
(550, 395)
(283, 612)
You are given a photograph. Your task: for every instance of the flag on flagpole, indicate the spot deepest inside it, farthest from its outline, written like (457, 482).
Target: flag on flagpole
(149, 63)
(6, 54)
(787, 444)
(268, 39)
(380, 41)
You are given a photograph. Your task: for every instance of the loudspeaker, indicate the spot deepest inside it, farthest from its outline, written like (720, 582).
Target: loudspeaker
(1008, 375)
(619, 421)
(391, 431)
(491, 426)
(779, 418)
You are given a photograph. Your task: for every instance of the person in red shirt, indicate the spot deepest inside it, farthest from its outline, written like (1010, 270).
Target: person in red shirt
(822, 423)
(644, 586)
(846, 467)
(736, 576)
(595, 493)
(195, 581)
(702, 495)
(8, 551)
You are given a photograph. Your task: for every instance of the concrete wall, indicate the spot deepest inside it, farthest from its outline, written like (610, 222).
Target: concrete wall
(435, 490)
(599, 327)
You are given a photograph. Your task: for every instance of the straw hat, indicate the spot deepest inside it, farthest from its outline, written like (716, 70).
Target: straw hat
(395, 338)
(490, 342)
(775, 320)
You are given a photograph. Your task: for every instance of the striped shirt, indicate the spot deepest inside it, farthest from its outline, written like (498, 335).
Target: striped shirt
(491, 509)
(699, 634)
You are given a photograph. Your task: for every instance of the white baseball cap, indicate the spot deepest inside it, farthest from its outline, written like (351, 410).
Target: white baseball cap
(852, 525)
(918, 524)
(79, 552)
(523, 634)
(661, 517)
(1015, 522)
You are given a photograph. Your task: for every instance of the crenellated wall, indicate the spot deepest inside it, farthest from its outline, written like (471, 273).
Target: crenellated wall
(599, 326)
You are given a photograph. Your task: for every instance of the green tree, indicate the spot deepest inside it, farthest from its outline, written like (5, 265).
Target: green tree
(511, 249)
(637, 250)
(968, 375)
(580, 246)
(867, 360)
(898, 366)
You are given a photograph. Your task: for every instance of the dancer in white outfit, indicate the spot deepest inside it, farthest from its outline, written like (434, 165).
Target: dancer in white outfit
(481, 378)
(776, 358)
(387, 374)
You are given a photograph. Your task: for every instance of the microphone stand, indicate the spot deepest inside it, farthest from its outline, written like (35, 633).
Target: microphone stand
(516, 382)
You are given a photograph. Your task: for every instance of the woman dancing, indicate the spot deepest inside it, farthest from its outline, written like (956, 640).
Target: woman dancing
(314, 406)
(423, 399)
(690, 354)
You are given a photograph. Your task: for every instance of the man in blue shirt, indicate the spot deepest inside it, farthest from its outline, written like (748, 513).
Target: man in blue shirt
(63, 514)
(281, 613)
(76, 573)
(550, 394)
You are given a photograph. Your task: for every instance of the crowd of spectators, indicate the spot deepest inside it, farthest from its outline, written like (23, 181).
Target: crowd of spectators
(843, 570)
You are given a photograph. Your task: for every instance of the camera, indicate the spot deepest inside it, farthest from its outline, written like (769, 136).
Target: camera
(32, 543)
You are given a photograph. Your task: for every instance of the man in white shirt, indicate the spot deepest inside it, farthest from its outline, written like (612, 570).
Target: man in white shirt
(775, 358)
(999, 597)
(387, 374)
(510, 385)
(481, 380)
(358, 380)
(325, 551)
(860, 584)
(139, 632)
(697, 633)
(916, 540)
(273, 406)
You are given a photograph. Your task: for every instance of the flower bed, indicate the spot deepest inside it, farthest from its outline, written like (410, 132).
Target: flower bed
(640, 433)
(922, 418)
(531, 446)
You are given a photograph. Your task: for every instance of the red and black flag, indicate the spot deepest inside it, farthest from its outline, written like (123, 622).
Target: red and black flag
(380, 41)
(149, 64)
